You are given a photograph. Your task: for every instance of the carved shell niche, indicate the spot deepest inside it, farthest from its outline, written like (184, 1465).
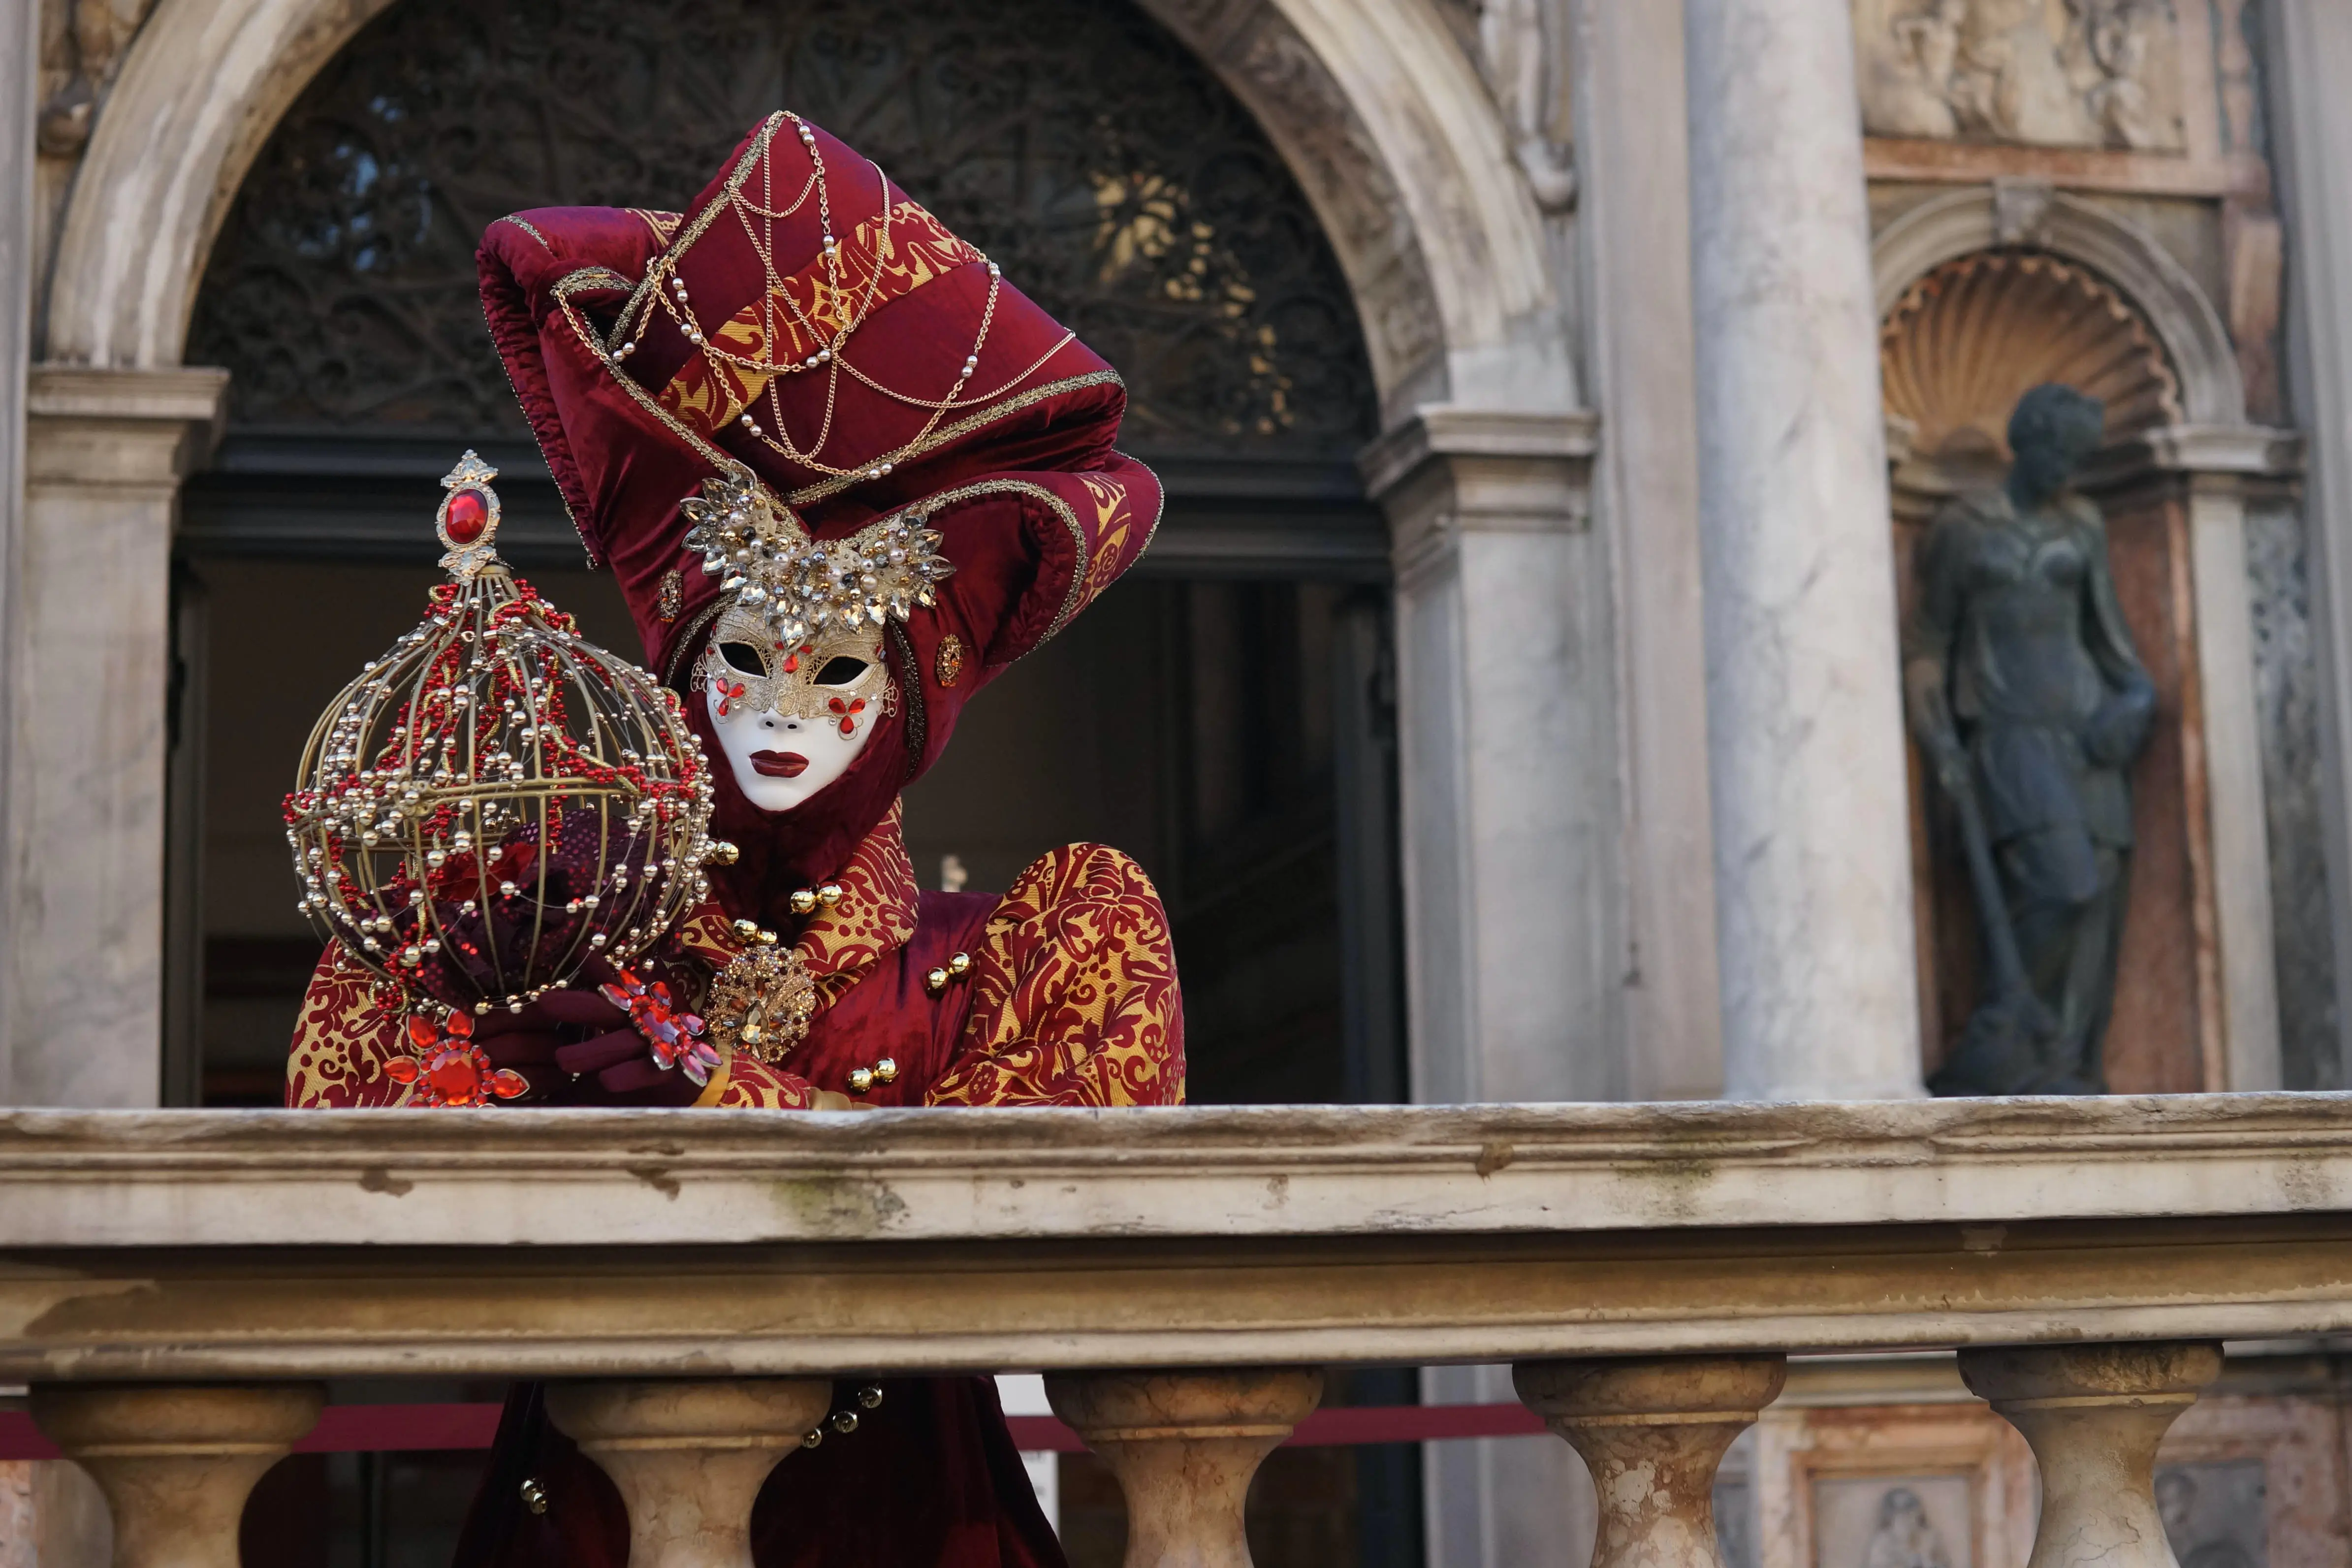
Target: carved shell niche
(1966, 340)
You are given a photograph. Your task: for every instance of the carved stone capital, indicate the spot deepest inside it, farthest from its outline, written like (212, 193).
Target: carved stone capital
(1451, 471)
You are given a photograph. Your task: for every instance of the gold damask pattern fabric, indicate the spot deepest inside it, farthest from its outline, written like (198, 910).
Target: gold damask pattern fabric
(742, 1083)
(1075, 999)
(876, 912)
(1074, 994)
(343, 1040)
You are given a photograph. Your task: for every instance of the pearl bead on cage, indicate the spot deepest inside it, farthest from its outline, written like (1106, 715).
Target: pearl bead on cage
(496, 803)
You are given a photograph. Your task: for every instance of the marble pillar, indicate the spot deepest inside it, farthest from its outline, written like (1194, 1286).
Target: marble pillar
(87, 675)
(20, 75)
(2215, 466)
(1812, 850)
(1507, 752)
(2309, 59)
(1634, 266)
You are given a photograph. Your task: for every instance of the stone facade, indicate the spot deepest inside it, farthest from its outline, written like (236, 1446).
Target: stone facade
(1648, 483)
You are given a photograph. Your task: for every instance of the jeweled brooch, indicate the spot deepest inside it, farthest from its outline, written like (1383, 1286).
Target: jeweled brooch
(762, 1003)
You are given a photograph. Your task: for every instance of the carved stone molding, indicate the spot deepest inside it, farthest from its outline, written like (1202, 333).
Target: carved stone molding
(2102, 73)
(1455, 470)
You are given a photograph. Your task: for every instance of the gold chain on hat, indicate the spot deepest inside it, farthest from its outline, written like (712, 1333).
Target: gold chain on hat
(667, 291)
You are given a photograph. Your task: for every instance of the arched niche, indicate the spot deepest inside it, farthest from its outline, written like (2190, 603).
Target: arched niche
(1985, 293)
(2176, 312)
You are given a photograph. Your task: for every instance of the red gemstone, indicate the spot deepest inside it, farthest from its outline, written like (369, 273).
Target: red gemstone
(458, 1075)
(468, 517)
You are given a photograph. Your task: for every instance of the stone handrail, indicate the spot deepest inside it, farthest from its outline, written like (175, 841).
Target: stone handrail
(1648, 1267)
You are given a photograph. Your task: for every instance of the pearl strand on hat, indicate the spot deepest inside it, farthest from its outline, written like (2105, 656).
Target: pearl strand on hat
(673, 297)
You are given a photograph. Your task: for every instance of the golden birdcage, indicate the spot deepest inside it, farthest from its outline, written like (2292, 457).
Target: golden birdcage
(495, 802)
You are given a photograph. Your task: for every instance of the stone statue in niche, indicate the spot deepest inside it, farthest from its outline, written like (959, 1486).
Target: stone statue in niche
(2056, 73)
(2030, 704)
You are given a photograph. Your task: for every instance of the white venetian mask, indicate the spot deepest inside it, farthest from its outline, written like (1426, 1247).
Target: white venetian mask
(791, 718)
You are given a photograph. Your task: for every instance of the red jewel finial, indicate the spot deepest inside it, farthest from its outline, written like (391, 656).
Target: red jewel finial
(468, 515)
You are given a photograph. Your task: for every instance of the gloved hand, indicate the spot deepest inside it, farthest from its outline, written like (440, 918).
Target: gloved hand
(576, 1046)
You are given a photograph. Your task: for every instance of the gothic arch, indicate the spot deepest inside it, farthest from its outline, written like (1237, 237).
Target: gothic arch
(1947, 228)
(1383, 122)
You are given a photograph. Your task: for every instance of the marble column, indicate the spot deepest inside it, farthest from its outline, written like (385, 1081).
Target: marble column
(2216, 465)
(2309, 59)
(19, 77)
(1812, 850)
(1508, 750)
(86, 674)
(1634, 265)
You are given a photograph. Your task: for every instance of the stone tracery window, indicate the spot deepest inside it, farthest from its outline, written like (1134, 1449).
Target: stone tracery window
(1075, 141)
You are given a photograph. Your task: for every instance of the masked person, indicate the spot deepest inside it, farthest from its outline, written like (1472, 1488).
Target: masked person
(845, 474)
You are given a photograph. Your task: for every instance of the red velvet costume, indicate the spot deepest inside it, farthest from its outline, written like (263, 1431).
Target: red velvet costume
(957, 398)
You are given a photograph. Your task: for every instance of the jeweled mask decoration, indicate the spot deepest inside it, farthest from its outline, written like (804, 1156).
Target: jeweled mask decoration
(791, 717)
(794, 675)
(494, 803)
(805, 587)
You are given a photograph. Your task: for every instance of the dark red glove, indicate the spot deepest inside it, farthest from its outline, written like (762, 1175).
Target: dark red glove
(574, 1047)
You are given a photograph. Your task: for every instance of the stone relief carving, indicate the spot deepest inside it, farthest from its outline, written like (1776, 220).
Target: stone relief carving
(2058, 73)
(82, 47)
(1522, 53)
(1318, 127)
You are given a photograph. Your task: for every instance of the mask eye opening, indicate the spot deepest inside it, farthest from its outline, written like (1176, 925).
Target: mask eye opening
(743, 656)
(840, 670)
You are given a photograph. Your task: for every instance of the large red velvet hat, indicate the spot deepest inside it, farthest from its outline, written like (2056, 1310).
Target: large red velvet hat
(809, 324)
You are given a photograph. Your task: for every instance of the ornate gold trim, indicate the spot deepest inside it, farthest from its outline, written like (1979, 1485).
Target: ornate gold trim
(528, 230)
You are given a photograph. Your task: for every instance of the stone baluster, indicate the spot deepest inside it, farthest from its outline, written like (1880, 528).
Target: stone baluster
(2094, 1415)
(177, 1462)
(1184, 1445)
(1652, 1429)
(689, 1458)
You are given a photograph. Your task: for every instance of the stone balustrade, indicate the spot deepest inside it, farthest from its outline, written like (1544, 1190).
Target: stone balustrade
(175, 1285)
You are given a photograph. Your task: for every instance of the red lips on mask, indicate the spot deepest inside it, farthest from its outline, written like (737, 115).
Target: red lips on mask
(779, 764)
